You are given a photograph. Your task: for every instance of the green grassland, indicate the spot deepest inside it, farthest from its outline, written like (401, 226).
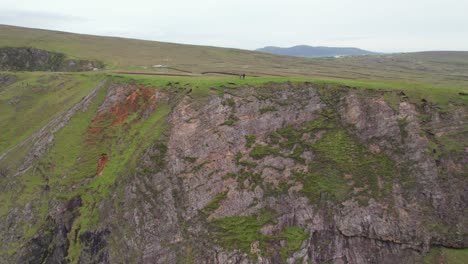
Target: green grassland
(434, 68)
(35, 99)
(442, 96)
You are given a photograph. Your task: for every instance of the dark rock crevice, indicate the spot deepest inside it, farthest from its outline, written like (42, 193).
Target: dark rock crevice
(50, 245)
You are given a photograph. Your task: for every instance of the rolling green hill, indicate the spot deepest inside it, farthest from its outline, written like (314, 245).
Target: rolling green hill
(435, 68)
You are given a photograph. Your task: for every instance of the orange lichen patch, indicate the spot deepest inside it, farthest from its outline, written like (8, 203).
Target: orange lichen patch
(102, 164)
(132, 97)
(120, 113)
(139, 100)
(94, 129)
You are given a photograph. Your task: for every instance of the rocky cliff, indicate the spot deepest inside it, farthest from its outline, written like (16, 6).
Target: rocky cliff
(32, 59)
(141, 172)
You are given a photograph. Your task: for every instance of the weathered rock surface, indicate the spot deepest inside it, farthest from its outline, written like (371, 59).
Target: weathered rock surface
(32, 59)
(6, 80)
(396, 228)
(316, 174)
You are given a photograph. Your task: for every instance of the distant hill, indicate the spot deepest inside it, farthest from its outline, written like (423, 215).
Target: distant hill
(316, 52)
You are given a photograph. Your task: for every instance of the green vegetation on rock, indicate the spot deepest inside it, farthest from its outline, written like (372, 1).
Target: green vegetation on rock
(345, 164)
(240, 232)
(294, 237)
(249, 140)
(268, 109)
(446, 255)
(342, 163)
(215, 203)
(261, 151)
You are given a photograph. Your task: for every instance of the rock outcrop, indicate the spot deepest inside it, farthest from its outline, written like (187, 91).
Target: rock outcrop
(286, 173)
(32, 59)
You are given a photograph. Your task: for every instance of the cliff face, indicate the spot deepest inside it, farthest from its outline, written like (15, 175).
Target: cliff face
(31, 59)
(281, 173)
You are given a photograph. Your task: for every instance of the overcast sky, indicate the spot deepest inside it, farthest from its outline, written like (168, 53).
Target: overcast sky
(387, 26)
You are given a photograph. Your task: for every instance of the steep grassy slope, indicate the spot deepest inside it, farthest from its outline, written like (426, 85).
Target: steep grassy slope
(219, 169)
(76, 150)
(433, 68)
(34, 99)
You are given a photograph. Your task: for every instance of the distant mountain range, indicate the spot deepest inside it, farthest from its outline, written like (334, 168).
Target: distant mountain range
(315, 52)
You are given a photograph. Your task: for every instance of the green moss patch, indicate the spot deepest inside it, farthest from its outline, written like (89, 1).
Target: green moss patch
(239, 232)
(446, 255)
(294, 237)
(344, 164)
(261, 151)
(214, 204)
(231, 120)
(341, 167)
(246, 174)
(248, 163)
(249, 140)
(268, 109)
